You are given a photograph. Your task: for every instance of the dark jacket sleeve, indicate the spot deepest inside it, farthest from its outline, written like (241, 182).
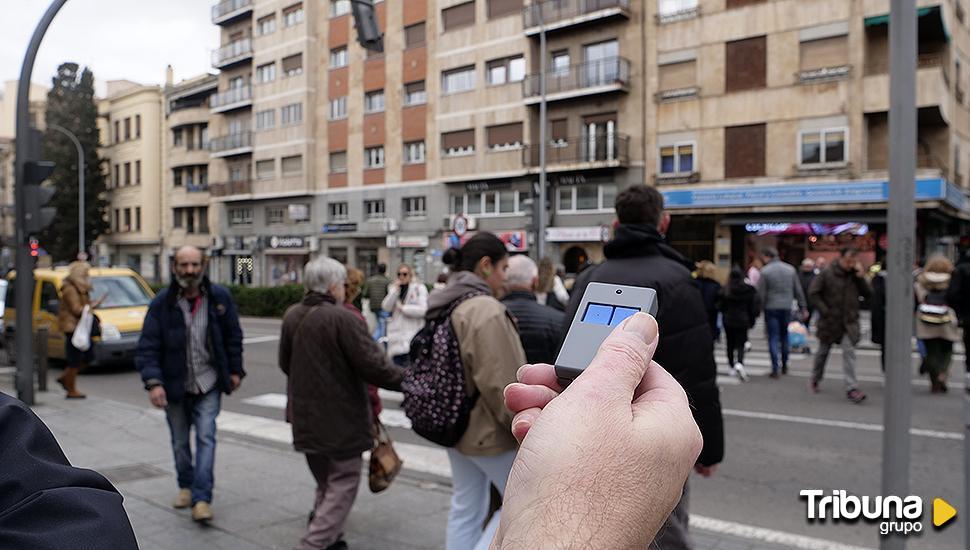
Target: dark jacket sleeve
(286, 341)
(705, 400)
(47, 504)
(956, 294)
(816, 293)
(148, 356)
(234, 337)
(367, 358)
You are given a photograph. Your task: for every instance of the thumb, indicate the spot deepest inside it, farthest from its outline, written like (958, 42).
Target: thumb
(623, 358)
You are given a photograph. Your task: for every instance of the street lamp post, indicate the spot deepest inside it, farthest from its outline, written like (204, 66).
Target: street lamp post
(80, 184)
(541, 222)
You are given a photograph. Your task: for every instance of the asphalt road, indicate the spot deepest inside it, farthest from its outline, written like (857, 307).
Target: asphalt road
(780, 439)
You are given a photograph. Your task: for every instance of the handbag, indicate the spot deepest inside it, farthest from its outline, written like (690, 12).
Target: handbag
(81, 339)
(384, 461)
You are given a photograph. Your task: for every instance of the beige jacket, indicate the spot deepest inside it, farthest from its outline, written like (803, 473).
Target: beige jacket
(926, 283)
(491, 353)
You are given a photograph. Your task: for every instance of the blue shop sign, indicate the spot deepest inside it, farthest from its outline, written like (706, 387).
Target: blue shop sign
(814, 193)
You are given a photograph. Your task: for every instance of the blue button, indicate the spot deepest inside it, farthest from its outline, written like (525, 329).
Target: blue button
(621, 313)
(598, 314)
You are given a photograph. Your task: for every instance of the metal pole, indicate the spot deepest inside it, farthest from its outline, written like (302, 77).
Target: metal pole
(543, 123)
(902, 239)
(80, 184)
(24, 285)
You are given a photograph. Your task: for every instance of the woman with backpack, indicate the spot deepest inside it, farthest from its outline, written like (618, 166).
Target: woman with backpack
(483, 339)
(936, 322)
(739, 305)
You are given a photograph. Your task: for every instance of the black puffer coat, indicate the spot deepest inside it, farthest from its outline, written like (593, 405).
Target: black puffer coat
(539, 326)
(639, 256)
(739, 304)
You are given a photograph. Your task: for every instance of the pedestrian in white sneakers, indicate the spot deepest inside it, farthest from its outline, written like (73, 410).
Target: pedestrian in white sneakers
(739, 305)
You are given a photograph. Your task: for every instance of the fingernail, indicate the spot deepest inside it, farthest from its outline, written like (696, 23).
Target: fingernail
(518, 373)
(643, 325)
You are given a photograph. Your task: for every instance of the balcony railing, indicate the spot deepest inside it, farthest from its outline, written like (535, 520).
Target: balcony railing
(197, 187)
(824, 74)
(238, 187)
(219, 102)
(232, 52)
(231, 142)
(230, 8)
(678, 15)
(589, 76)
(929, 60)
(610, 148)
(560, 13)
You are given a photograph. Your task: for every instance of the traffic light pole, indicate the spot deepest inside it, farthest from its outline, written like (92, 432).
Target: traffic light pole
(80, 185)
(24, 285)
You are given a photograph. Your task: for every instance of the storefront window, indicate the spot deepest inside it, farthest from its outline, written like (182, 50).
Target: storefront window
(286, 269)
(339, 253)
(367, 260)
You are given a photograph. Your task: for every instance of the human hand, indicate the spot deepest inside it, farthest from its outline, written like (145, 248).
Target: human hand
(99, 301)
(575, 471)
(157, 396)
(706, 471)
(234, 382)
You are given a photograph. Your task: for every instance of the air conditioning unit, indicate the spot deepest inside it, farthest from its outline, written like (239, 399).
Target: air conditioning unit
(390, 225)
(218, 243)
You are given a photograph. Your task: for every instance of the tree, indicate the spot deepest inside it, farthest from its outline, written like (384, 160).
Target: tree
(71, 104)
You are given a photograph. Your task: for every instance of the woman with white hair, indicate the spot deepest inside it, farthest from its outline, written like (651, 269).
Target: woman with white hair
(329, 357)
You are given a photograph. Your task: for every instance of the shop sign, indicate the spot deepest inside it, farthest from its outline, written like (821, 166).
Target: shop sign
(479, 186)
(412, 241)
(277, 241)
(576, 234)
(515, 241)
(339, 227)
(571, 179)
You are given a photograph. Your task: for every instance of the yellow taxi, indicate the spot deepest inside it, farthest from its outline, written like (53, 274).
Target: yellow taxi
(121, 314)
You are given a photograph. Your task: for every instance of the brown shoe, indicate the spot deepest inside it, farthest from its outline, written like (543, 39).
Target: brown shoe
(201, 511)
(183, 500)
(69, 380)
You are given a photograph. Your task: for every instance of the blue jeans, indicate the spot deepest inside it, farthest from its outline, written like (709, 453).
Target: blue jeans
(382, 317)
(776, 320)
(199, 411)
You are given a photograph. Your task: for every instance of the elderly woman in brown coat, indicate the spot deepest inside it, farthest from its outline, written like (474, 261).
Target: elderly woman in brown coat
(75, 294)
(936, 322)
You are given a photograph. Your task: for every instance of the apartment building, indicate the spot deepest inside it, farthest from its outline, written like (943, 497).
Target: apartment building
(186, 214)
(130, 119)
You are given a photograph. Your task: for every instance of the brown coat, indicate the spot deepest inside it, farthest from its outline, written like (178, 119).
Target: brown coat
(328, 356)
(926, 331)
(835, 295)
(74, 296)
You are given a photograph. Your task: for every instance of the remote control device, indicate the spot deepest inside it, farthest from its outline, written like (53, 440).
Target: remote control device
(603, 307)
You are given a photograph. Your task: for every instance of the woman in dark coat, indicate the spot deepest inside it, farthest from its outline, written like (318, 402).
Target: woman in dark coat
(738, 303)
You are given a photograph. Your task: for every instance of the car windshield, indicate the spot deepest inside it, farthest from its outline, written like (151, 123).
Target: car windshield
(121, 291)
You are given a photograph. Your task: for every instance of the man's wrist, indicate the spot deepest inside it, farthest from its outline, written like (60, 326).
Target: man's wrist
(152, 383)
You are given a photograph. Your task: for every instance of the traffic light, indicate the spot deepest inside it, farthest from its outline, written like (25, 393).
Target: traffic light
(34, 248)
(368, 33)
(36, 195)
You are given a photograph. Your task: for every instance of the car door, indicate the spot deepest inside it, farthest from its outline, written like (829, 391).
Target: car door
(47, 317)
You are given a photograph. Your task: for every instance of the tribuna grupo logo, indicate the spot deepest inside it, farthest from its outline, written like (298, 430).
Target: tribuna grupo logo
(894, 514)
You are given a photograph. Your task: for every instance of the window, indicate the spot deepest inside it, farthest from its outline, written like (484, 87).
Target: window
(822, 147)
(559, 133)
(460, 143)
(414, 35)
(578, 198)
(291, 114)
(824, 53)
(127, 128)
(127, 173)
(374, 101)
(504, 137)
(677, 158)
(240, 216)
(414, 94)
(265, 119)
(190, 220)
(744, 151)
(338, 162)
(499, 8)
(204, 176)
(669, 10)
(415, 207)
(177, 218)
(293, 65)
(137, 126)
(292, 166)
(560, 63)
(265, 169)
(746, 64)
(293, 15)
(137, 171)
(117, 220)
(117, 131)
(414, 152)
(338, 57)
(338, 108)
(137, 218)
(203, 219)
(511, 69)
(127, 214)
(374, 157)
(275, 215)
(204, 136)
(678, 76)
(374, 210)
(188, 177)
(266, 73)
(493, 203)
(339, 211)
(117, 175)
(266, 25)
(458, 16)
(339, 7)
(458, 80)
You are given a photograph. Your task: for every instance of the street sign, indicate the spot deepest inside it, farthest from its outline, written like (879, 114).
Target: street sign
(339, 227)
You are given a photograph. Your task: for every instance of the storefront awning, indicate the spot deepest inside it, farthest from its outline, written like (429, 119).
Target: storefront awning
(884, 19)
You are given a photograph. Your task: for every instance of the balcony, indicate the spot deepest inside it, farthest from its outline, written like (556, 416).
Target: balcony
(231, 99)
(240, 187)
(611, 150)
(231, 145)
(197, 187)
(824, 74)
(232, 53)
(585, 79)
(563, 14)
(229, 10)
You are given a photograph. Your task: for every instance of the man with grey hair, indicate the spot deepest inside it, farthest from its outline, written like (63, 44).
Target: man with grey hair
(328, 356)
(189, 354)
(539, 325)
(778, 288)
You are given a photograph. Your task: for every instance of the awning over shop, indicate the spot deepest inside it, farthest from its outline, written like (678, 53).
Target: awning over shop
(884, 19)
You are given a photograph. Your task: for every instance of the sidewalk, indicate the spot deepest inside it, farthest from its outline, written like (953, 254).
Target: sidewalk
(264, 491)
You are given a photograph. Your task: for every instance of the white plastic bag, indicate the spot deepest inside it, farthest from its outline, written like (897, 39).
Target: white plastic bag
(82, 334)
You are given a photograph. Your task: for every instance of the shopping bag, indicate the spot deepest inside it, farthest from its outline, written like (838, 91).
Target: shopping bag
(82, 333)
(384, 461)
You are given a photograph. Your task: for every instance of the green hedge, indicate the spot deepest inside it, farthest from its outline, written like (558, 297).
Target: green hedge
(260, 301)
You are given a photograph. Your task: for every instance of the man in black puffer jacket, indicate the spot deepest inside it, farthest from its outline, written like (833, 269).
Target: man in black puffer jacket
(638, 255)
(538, 325)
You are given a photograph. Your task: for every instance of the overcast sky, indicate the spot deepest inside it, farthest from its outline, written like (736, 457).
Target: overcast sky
(117, 39)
